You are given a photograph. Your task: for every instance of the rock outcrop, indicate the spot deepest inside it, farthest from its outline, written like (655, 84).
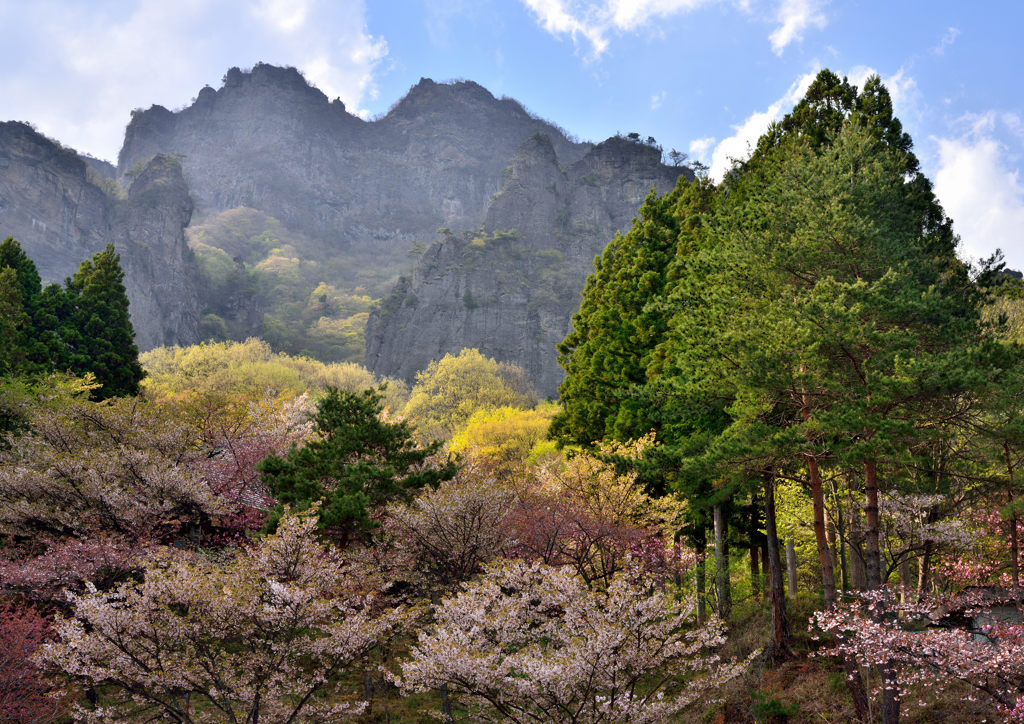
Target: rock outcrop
(63, 209)
(522, 211)
(510, 288)
(267, 140)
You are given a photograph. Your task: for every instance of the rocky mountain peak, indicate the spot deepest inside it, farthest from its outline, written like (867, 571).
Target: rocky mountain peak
(63, 209)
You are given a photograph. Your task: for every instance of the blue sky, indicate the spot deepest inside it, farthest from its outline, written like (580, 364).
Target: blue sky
(701, 76)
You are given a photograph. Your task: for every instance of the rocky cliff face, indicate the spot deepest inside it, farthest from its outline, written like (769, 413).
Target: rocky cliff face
(63, 210)
(523, 211)
(269, 141)
(511, 287)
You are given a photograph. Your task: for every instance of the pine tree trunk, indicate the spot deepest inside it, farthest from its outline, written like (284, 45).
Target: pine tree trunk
(872, 550)
(873, 553)
(924, 569)
(828, 581)
(840, 527)
(791, 566)
(701, 544)
(755, 572)
(776, 590)
(1014, 541)
(722, 588)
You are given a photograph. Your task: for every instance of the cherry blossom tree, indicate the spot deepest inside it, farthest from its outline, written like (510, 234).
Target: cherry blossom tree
(117, 467)
(447, 534)
(588, 515)
(263, 638)
(26, 695)
(923, 651)
(530, 642)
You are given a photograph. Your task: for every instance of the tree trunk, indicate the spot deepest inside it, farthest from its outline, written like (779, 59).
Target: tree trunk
(828, 581)
(722, 564)
(446, 705)
(858, 571)
(791, 566)
(701, 544)
(830, 536)
(840, 525)
(776, 591)
(702, 593)
(873, 553)
(1012, 523)
(755, 572)
(906, 584)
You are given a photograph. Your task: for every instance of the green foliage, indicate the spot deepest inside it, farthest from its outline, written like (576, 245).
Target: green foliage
(82, 328)
(449, 391)
(608, 351)
(769, 710)
(357, 463)
(97, 329)
(314, 301)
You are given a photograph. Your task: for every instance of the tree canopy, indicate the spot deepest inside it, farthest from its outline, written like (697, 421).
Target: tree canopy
(356, 462)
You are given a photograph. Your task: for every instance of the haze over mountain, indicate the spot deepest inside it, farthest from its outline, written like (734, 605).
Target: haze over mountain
(304, 214)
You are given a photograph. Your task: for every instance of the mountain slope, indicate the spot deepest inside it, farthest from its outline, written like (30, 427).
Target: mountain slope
(511, 287)
(63, 211)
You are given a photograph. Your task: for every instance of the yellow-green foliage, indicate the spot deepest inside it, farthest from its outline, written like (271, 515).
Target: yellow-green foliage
(1010, 309)
(246, 255)
(510, 437)
(448, 392)
(251, 369)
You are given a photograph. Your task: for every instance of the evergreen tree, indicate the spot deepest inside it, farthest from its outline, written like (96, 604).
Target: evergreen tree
(13, 324)
(23, 350)
(620, 321)
(357, 463)
(95, 327)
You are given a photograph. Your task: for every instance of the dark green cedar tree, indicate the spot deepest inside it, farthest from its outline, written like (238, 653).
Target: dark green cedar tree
(95, 327)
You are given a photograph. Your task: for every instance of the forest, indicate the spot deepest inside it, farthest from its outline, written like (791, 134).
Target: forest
(778, 483)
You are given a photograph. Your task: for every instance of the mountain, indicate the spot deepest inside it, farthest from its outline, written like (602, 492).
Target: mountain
(267, 140)
(510, 288)
(302, 217)
(62, 210)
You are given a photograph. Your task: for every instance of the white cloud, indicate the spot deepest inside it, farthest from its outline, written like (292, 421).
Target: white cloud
(947, 40)
(981, 190)
(657, 99)
(556, 19)
(594, 21)
(794, 17)
(700, 149)
(285, 16)
(90, 64)
(741, 143)
(902, 88)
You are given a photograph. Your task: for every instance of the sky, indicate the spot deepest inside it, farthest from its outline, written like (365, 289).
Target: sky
(704, 77)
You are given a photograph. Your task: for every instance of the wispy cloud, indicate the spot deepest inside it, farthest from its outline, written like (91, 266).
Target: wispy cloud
(742, 142)
(981, 189)
(99, 60)
(700, 150)
(657, 99)
(592, 23)
(947, 40)
(794, 17)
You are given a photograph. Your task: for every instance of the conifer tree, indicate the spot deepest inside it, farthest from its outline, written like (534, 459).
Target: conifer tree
(21, 350)
(95, 327)
(357, 463)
